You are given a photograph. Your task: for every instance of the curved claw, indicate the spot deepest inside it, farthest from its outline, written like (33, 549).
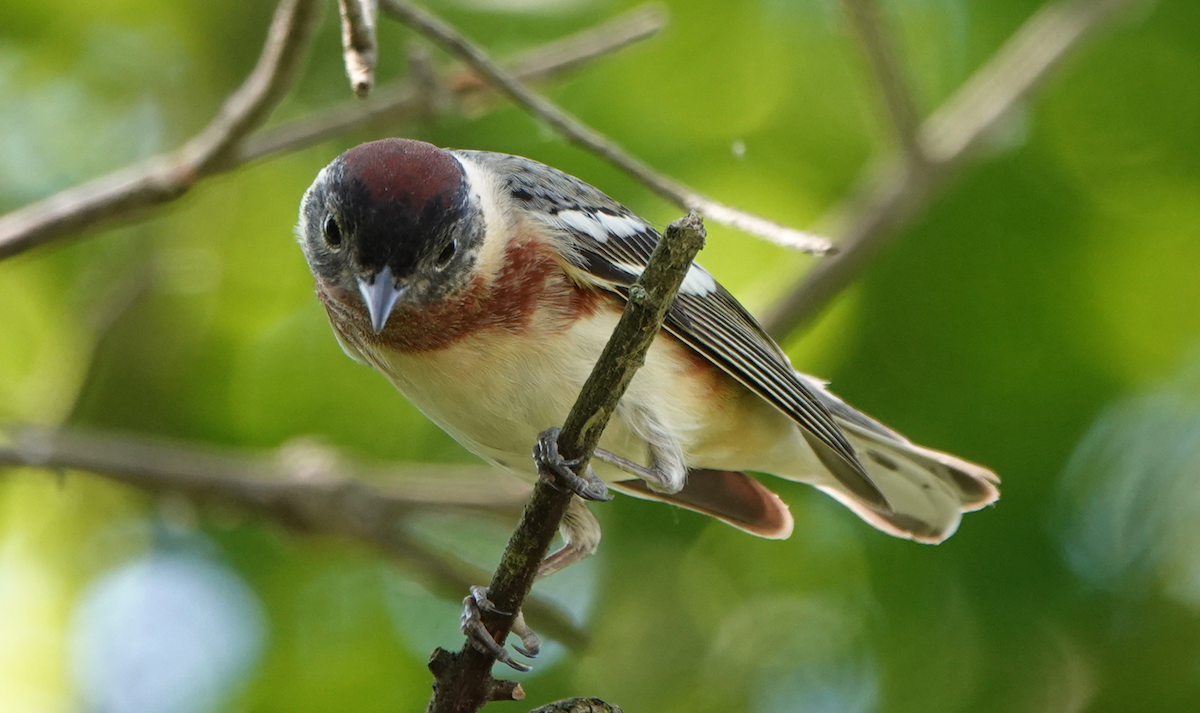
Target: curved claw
(478, 635)
(531, 643)
(482, 640)
(550, 461)
(479, 594)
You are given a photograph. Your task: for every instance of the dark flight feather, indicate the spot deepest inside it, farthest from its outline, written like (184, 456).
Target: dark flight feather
(612, 245)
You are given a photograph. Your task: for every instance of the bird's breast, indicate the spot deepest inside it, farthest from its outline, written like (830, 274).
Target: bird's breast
(495, 389)
(506, 360)
(507, 352)
(526, 295)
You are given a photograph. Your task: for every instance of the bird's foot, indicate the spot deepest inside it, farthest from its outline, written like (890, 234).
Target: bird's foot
(560, 472)
(472, 627)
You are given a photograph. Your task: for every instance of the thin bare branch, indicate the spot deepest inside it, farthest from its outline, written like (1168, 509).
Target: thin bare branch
(947, 140)
(166, 177)
(1016, 70)
(282, 56)
(295, 477)
(433, 97)
(359, 49)
(304, 486)
(588, 138)
(866, 18)
(127, 192)
(463, 682)
(404, 101)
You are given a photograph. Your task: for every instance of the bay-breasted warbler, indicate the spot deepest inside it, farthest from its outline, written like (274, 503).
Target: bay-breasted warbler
(484, 287)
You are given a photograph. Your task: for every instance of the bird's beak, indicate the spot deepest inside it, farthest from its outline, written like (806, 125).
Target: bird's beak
(380, 294)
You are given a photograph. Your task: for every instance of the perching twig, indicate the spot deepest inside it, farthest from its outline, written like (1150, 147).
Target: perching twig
(946, 141)
(358, 44)
(166, 177)
(576, 131)
(306, 487)
(127, 192)
(463, 682)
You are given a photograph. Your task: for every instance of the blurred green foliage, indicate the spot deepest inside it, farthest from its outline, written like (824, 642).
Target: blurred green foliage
(1045, 311)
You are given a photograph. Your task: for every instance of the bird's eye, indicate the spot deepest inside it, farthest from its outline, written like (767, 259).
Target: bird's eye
(333, 232)
(447, 254)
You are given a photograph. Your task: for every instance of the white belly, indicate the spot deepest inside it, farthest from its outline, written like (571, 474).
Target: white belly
(495, 391)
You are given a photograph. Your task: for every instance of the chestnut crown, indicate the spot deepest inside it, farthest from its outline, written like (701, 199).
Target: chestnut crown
(392, 220)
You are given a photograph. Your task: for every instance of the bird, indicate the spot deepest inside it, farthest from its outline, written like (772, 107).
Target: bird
(484, 286)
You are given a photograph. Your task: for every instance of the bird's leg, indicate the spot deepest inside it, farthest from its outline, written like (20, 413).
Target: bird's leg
(581, 536)
(560, 472)
(656, 479)
(668, 469)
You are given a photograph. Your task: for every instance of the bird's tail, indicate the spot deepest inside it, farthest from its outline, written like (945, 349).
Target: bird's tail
(928, 491)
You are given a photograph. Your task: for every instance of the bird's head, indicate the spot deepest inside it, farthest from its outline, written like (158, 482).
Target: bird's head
(391, 223)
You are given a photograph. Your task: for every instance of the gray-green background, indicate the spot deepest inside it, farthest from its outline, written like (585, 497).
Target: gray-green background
(1042, 317)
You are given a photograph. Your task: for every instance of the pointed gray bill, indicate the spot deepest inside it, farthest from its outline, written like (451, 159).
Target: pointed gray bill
(380, 295)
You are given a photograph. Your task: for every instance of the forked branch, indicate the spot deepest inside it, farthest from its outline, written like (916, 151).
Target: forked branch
(944, 143)
(227, 142)
(166, 177)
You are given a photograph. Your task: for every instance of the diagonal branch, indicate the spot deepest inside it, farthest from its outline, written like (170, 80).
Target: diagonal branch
(583, 135)
(946, 141)
(166, 177)
(305, 487)
(1017, 69)
(895, 91)
(462, 681)
(128, 192)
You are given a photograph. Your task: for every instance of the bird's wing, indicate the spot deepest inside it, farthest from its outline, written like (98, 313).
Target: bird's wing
(609, 247)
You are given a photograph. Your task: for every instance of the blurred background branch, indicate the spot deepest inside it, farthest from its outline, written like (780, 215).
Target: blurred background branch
(165, 178)
(890, 72)
(1051, 282)
(302, 482)
(406, 100)
(307, 487)
(577, 132)
(310, 489)
(227, 143)
(894, 190)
